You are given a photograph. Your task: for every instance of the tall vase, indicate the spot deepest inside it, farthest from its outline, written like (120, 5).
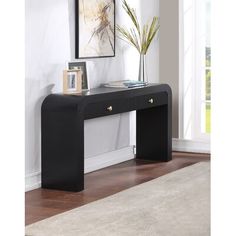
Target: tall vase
(142, 69)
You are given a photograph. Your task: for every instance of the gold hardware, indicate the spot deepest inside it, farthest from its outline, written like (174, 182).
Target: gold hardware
(151, 101)
(109, 108)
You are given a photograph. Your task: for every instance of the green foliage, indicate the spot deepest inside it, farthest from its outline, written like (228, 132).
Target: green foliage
(208, 84)
(208, 56)
(139, 37)
(208, 118)
(208, 89)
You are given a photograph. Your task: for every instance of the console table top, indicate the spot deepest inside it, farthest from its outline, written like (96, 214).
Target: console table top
(58, 101)
(152, 87)
(101, 90)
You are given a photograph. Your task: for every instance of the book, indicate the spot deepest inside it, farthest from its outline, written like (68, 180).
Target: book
(126, 84)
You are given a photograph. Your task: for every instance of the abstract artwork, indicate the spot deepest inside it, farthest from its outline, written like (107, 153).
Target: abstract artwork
(95, 28)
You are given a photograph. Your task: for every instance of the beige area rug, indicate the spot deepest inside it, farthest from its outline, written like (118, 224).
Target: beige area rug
(177, 204)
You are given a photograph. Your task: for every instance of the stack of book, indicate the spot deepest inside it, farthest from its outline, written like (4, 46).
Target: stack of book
(126, 84)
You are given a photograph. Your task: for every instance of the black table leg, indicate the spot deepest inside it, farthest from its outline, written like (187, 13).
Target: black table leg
(62, 150)
(154, 141)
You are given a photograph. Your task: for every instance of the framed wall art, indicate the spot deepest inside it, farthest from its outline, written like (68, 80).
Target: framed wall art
(95, 28)
(84, 73)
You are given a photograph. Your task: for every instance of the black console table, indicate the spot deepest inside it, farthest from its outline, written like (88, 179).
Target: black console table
(63, 129)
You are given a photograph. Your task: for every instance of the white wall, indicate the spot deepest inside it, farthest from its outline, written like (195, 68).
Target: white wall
(150, 8)
(49, 44)
(187, 64)
(169, 54)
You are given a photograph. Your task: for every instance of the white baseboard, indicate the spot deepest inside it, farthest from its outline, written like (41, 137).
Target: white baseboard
(33, 181)
(183, 145)
(108, 159)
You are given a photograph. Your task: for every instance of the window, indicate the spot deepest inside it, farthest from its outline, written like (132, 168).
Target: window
(195, 61)
(207, 127)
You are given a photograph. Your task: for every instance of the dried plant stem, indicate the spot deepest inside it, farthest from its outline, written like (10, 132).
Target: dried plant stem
(139, 37)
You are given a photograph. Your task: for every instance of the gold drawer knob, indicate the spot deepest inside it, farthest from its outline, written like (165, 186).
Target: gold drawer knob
(151, 101)
(109, 108)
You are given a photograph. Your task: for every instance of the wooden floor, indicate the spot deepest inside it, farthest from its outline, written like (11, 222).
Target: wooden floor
(42, 203)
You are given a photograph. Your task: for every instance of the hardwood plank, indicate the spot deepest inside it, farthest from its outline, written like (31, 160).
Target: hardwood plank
(43, 203)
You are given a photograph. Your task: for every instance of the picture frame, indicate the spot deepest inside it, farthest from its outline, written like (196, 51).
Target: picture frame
(72, 81)
(75, 65)
(95, 32)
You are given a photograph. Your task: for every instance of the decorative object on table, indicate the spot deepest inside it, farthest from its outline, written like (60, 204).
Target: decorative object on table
(139, 37)
(125, 84)
(95, 28)
(72, 81)
(83, 67)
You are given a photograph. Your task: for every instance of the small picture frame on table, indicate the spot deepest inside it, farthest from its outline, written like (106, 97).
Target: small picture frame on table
(72, 81)
(83, 67)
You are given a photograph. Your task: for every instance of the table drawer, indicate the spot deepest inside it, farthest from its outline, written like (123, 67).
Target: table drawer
(106, 108)
(152, 100)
